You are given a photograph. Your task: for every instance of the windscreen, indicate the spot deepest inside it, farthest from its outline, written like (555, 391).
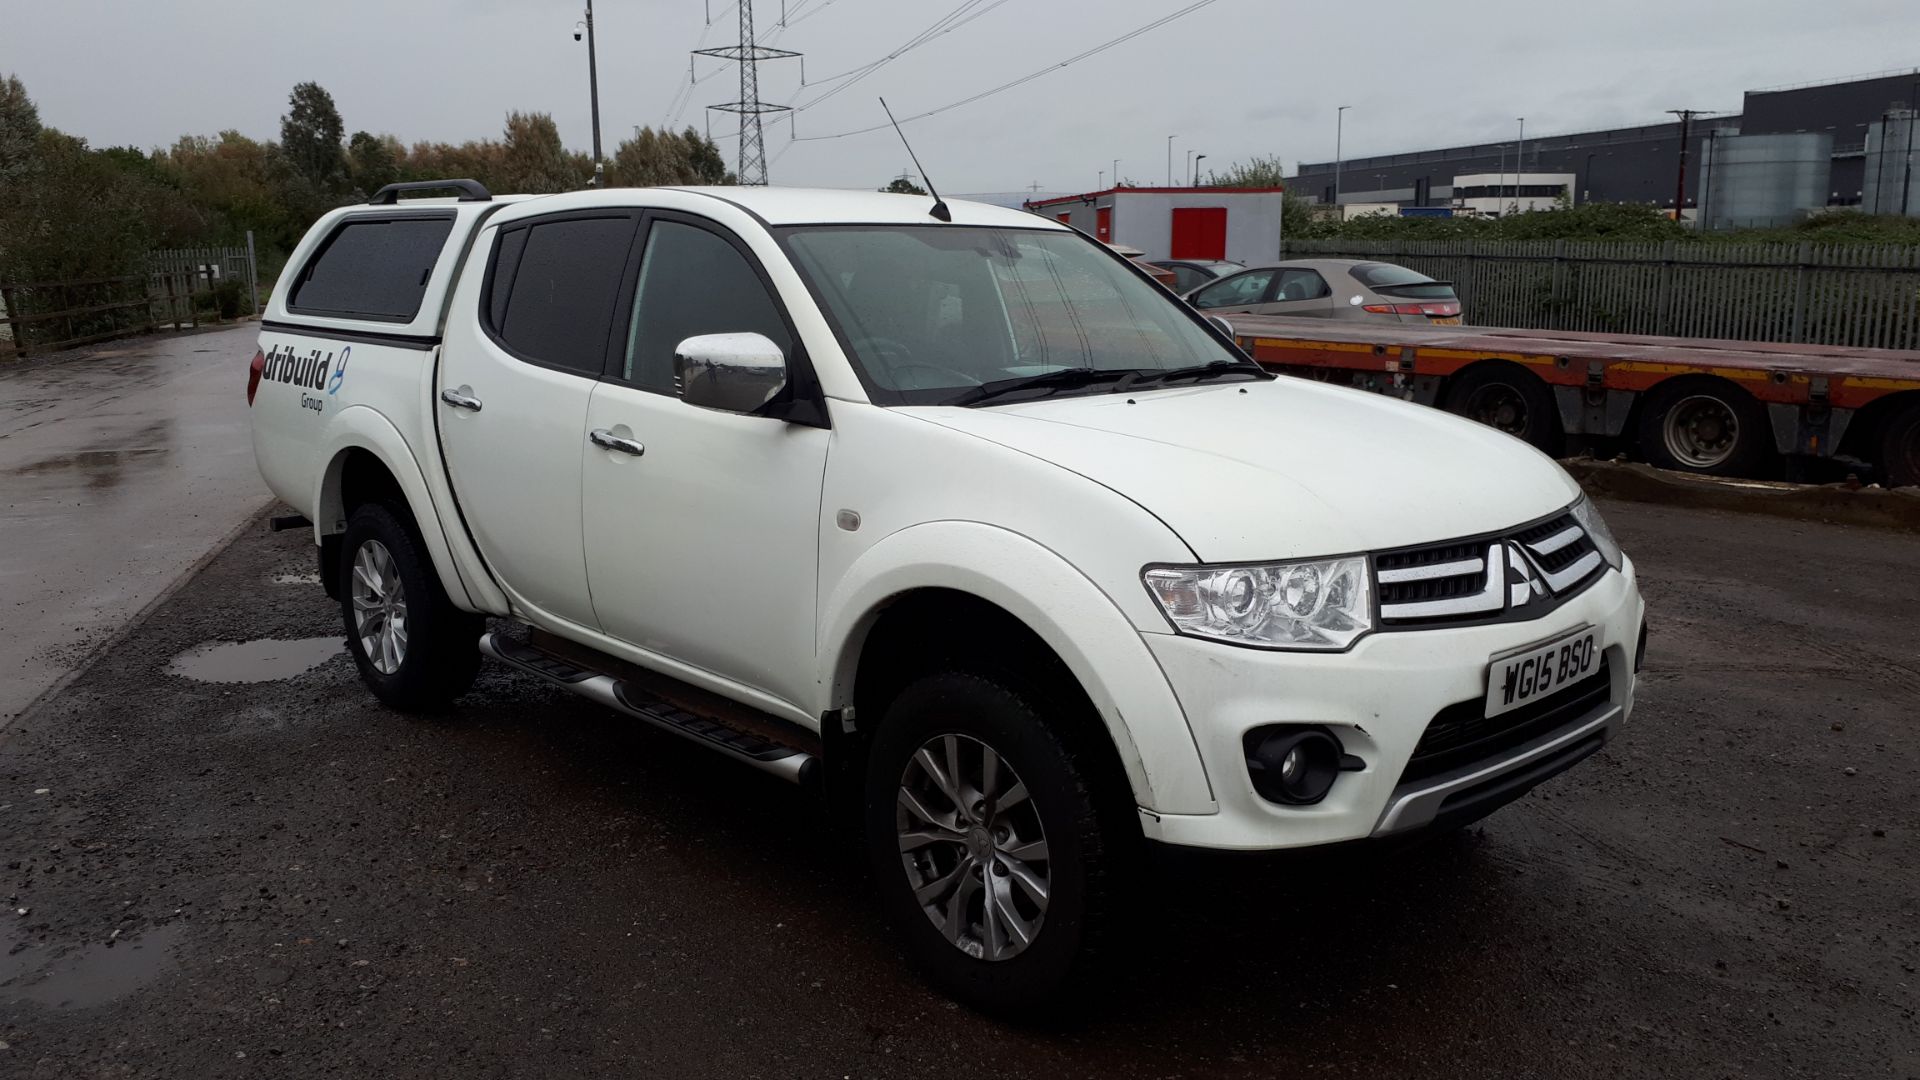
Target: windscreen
(929, 312)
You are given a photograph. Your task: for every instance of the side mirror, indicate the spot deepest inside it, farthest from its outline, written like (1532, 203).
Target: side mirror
(736, 373)
(1221, 324)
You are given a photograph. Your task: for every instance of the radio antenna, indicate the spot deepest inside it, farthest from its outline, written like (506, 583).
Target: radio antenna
(939, 210)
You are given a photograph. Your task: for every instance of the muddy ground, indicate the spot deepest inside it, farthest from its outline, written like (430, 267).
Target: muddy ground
(282, 879)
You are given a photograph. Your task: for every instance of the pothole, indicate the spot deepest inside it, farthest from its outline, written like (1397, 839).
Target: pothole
(255, 661)
(89, 975)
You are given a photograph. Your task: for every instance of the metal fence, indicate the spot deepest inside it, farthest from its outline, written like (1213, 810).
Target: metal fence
(178, 290)
(1865, 296)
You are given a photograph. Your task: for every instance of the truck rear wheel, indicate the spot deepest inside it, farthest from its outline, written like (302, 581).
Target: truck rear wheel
(414, 649)
(1704, 425)
(987, 847)
(1900, 447)
(1510, 398)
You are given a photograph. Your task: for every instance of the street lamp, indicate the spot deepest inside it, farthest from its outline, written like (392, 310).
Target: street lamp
(1197, 159)
(1170, 139)
(1519, 161)
(1339, 121)
(1116, 172)
(593, 90)
(1188, 171)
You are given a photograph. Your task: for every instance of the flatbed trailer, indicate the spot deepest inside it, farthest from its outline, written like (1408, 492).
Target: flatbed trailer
(1727, 408)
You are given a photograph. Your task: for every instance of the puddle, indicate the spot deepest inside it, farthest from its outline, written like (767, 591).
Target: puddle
(88, 975)
(255, 661)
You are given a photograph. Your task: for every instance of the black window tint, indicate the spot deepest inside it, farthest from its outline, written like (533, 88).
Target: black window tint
(506, 259)
(1387, 274)
(559, 306)
(693, 282)
(372, 269)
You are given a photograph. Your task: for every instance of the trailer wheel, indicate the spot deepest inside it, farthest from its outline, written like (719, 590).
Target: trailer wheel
(1900, 447)
(1509, 398)
(1704, 425)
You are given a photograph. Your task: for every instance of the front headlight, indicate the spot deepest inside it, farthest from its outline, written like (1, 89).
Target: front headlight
(1588, 515)
(1312, 604)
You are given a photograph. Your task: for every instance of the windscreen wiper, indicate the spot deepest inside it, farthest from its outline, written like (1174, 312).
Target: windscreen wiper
(1213, 369)
(1058, 379)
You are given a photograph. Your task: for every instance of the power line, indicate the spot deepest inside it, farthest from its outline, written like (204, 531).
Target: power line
(749, 52)
(1069, 62)
(945, 26)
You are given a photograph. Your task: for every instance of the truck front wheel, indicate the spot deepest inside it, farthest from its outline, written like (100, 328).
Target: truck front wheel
(988, 848)
(414, 649)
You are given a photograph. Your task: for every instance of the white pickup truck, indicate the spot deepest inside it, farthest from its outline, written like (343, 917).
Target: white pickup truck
(948, 509)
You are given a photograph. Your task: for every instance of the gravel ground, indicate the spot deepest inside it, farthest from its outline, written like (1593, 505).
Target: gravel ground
(282, 879)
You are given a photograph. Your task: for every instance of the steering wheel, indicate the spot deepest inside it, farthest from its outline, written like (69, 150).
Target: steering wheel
(897, 358)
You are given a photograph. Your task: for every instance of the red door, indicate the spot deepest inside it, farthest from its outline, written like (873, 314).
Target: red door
(1103, 224)
(1065, 219)
(1199, 232)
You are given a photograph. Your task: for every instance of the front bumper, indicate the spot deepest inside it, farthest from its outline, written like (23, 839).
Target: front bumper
(1378, 699)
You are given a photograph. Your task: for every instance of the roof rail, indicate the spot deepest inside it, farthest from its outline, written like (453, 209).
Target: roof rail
(470, 191)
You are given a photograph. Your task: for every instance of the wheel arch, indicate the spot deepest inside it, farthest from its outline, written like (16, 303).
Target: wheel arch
(1007, 594)
(368, 460)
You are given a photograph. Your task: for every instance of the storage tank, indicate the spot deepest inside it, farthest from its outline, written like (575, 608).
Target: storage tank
(1763, 180)
(1891, 184)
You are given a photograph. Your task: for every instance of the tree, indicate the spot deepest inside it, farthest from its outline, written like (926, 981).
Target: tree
(1256, 172)
(533, 160)
(903, 185)
(19, 131)
(310, 135)
(654, 158)
(373, 161)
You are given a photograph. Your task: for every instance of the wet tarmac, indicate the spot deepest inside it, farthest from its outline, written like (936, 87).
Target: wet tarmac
(266, 660)
(121, 467)
(531, 886)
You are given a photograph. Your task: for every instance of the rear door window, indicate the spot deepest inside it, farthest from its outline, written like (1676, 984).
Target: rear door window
(553, 288)
(1301, 285)
(373, 268)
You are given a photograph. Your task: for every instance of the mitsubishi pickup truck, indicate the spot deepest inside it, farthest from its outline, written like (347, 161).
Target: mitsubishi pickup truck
(946, 510)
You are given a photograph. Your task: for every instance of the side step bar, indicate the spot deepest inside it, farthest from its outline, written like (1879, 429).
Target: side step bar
(787, 762)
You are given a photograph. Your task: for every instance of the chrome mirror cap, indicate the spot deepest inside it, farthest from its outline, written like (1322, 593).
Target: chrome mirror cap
(737, 373)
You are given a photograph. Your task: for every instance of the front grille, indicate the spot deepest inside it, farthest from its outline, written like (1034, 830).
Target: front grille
(1463, 734)
(1487, 578)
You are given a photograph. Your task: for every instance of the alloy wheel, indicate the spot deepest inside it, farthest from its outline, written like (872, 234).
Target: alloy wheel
(973, 848)
(379, 607)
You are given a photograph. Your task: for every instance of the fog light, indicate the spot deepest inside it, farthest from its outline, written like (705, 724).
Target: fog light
(1295, 765)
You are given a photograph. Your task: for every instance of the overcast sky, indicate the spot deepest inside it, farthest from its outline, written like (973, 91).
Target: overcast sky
(1233, 79)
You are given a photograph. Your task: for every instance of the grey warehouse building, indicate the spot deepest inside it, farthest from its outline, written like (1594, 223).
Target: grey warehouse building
(1788, 152)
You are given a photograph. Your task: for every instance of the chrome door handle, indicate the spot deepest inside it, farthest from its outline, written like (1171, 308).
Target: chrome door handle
(604, 438)
(460, 401)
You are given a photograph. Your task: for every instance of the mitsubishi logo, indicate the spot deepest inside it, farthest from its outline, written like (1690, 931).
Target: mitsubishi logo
(1523, 580)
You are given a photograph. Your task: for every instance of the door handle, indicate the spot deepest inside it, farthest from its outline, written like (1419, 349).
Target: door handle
(604, 438)
(460, 401)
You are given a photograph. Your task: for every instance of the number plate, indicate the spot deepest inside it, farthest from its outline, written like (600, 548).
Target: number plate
(1534, 672)
(1450, 320)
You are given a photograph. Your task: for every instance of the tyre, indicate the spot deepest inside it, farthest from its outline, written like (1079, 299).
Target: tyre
(414, 649)
(1704, 426)
(1509, 398)
(1900, 447)
(988, 846)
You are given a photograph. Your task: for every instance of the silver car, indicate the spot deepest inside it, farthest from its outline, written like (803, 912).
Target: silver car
(1332, 289)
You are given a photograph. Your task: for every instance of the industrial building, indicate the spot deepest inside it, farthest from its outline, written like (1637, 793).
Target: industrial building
(1241, 224)
(1788, 152)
